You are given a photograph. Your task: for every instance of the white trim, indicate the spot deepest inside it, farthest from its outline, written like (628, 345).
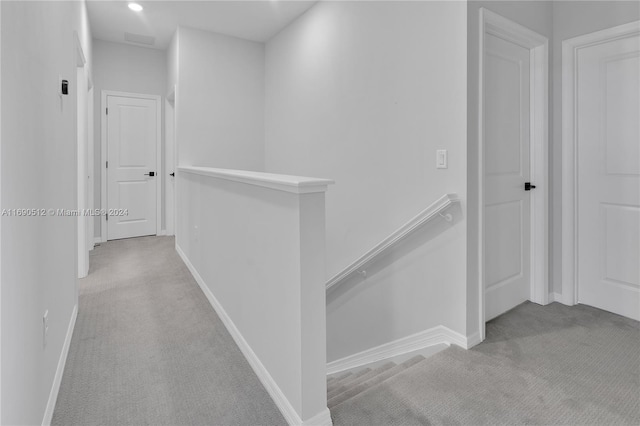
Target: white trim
(323, 418)
(421, 340)
(82, 146)
(103, 169)
(81, 59)
(169, 164)
(55, 388)
(162, 233)
(285, 407)
(97, 240)
(82, 168)
(287, 183)
(555, 297)
(103, 135)
(473, 340)
(570, 218)
(492, 23)
(171, 96)
(91, 159)
(1, 206)
(431, 212)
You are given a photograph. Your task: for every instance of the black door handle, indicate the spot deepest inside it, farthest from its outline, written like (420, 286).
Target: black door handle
(150, 174)
(172, 174)
(528, 186)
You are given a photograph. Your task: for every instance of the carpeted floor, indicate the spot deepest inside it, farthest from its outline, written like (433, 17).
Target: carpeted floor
(543, 365)
(148, 349)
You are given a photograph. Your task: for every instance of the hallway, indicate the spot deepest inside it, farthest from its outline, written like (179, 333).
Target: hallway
(148, 349)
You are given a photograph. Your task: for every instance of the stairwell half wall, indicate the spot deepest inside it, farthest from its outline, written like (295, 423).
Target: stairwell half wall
(365, 93)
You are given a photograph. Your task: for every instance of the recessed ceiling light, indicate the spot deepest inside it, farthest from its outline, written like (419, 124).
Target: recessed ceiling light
(135, 7)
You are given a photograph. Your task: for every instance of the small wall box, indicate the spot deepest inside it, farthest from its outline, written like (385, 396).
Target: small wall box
(441, 159)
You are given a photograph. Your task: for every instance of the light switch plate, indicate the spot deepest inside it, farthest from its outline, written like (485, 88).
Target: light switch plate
(45, 328)
(441, 159)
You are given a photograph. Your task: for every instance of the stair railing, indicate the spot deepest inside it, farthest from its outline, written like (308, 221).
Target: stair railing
(437, 210)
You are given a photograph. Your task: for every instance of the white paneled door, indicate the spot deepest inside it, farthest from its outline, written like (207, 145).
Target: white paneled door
(132, 179)
(608, 184)
(506, 169)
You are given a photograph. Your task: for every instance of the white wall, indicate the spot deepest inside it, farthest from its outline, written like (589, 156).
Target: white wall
(125, 68)
(364, 93)
(572, 19)
(259, 252)
(220, 101)
(172, 63)
(537, 16)
(38, 171)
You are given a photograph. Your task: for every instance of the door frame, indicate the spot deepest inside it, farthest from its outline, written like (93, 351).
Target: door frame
(82, 147)
(170, 163)
(570, 214)
(103, 168)
(538, 45)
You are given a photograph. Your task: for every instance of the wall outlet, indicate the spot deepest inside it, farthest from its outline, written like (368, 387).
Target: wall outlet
(441, 159)
(45, 328)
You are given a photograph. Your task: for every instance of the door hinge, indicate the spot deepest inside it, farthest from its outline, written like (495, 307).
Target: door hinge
(107, 111)
(107, 215)
(107, 165)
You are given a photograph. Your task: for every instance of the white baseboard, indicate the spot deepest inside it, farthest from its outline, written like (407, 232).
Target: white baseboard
(421, 340)
(162, 233)
(323, 418)
(472, 340)
(57, 379)
(558, 297)
(97, 240)
(267, 381)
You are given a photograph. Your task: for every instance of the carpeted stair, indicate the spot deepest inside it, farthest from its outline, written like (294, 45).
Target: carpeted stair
(345, 386)
(539, 365)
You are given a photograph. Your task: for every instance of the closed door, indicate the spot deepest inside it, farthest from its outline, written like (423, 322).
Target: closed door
(506, 169)
(131, 169)
(608, 147)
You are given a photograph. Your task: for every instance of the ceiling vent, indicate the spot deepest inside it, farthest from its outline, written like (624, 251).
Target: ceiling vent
(139, 39)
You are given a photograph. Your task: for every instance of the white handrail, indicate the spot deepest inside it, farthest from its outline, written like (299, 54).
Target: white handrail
(434, 210)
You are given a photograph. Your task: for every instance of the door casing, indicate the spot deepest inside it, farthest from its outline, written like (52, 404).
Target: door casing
(82, 161)
(103, 168)
(538, 45)
(170, 163)
(570, 182)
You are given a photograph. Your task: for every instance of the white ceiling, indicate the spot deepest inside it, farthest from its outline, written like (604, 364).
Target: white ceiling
(250, 20)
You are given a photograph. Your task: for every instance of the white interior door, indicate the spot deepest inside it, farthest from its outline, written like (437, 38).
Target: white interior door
(608, 146)
(132, 135)
(506, 98)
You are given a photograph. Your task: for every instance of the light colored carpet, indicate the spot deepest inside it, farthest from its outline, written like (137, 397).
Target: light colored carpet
(539, 365)
(148, 349)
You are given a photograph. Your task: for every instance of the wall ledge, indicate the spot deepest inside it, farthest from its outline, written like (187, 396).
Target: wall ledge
(287, 183)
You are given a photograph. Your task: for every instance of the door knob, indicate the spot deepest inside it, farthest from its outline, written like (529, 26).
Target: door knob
(528, 186)
(172, 174)
(150, 174)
